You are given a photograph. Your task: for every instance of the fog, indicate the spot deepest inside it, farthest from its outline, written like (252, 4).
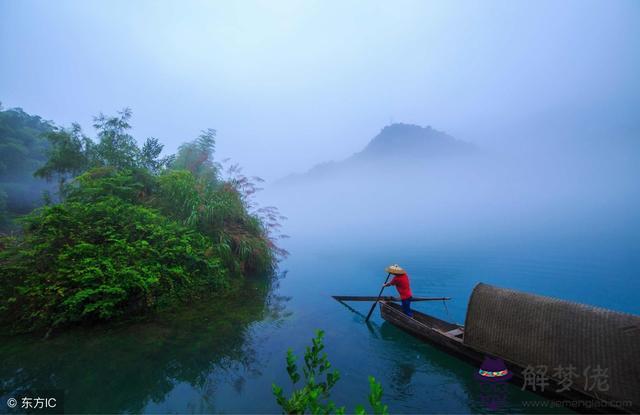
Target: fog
(546, 91)
(553, 194)
(290, 84)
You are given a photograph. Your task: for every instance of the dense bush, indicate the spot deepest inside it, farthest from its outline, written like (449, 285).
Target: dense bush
(218, 212)
(131, 231)
(87, 262)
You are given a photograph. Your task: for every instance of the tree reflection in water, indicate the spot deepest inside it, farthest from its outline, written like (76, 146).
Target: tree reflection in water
(124, 367)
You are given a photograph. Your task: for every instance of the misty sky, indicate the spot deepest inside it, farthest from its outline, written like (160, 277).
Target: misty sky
(288, 84)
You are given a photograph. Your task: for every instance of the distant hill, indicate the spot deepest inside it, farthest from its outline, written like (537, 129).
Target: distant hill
(396, 143)
(412, 141)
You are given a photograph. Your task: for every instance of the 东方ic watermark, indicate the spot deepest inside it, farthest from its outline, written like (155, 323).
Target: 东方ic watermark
(31, 401)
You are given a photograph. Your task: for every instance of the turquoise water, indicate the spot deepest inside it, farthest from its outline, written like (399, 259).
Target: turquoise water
(223, 357)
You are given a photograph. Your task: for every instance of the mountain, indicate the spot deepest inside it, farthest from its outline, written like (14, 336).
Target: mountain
(411, 141)
(396, 143)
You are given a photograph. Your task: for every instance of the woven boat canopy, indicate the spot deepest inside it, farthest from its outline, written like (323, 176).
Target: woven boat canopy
(529, 329)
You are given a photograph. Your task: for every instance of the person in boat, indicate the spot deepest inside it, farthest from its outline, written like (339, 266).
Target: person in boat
(401, 281)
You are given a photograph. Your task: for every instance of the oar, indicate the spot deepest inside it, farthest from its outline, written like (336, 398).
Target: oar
(353, 310)
(379, 295)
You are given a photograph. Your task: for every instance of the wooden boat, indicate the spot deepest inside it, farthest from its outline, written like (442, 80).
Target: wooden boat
(385, 298)
(439, 332)
(528, 331)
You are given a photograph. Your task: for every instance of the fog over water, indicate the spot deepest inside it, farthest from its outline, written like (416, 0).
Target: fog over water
(512, 192)
(290, 84)
(554, 214)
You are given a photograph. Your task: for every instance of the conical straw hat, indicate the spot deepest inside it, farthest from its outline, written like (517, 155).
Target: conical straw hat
(395, 269)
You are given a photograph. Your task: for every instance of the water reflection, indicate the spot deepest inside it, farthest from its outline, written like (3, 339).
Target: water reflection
(124, 368)
(417, 362)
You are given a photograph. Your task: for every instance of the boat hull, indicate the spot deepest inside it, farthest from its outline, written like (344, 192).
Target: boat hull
(445, 336)
(430, 329)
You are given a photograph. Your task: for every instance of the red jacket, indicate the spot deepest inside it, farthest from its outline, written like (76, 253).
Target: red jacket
(402, 285)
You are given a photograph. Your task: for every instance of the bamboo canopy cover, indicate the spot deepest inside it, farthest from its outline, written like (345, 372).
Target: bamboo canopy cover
(532, 330)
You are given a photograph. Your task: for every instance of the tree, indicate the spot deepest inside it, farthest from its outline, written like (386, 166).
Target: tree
(150, 156)
(3, 209)
(197, 157)
(116, 147)
(22, 151)
(70, 154)
(128, 232)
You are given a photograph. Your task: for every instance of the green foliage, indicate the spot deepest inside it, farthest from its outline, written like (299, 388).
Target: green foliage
(197, 157)
(375, 398)
(69, 154)
(73, 153)
(4, 215)
(218, 209)
(22, 151)
(129, 233)
(178, 186)
(22, 147)
(87, 262)
(133, 186)
(313, 395)
(116, 147)
(150, 159)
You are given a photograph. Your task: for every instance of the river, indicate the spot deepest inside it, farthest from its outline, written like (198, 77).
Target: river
(223, 356)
